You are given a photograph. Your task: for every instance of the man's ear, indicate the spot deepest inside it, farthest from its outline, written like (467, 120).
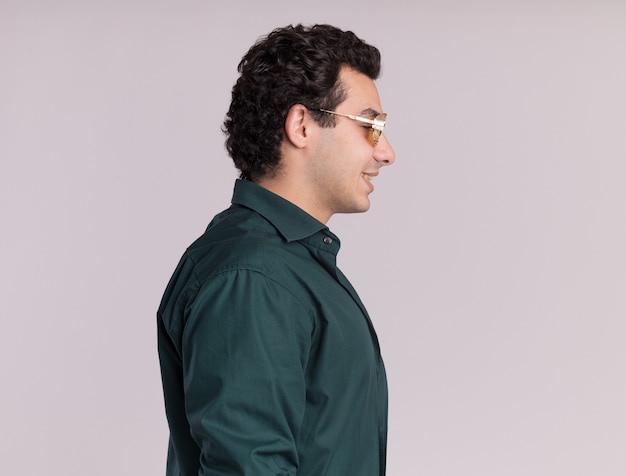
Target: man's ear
(296, 126)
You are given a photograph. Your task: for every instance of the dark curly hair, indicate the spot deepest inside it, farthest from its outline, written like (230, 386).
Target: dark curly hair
(292, 65)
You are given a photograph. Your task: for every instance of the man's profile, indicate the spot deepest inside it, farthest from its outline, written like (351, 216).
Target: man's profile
(270, 363)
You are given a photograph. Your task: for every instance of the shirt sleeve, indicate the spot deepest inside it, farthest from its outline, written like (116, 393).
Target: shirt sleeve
(245, 346)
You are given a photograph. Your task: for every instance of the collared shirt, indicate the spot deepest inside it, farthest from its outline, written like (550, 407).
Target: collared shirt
(269, 361)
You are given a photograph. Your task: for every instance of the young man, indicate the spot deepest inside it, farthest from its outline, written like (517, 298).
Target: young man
(269, 360)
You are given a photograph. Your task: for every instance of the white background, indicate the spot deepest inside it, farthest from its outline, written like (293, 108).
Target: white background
(492, 261)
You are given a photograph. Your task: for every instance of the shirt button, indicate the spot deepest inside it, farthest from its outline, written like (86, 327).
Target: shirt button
(328, 240)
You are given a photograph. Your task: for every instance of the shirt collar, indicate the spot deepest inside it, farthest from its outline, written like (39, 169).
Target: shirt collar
(291, 221)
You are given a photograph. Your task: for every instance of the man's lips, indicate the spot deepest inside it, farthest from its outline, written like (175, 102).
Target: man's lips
(368, 177)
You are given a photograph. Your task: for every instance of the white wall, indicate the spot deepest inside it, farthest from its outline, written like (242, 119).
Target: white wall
(492, 261)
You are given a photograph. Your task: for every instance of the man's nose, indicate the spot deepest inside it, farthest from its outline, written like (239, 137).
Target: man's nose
(383, 152)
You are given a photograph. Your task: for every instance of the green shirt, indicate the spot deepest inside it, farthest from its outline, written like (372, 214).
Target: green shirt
(269, 360)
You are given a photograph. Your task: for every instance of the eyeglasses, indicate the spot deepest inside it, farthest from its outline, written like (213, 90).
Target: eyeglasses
(377, 124)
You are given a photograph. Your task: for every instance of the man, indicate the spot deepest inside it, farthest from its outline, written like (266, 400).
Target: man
(269, 361)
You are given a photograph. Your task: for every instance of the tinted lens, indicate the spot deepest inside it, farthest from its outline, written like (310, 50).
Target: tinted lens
(378, 126)
(375, 135)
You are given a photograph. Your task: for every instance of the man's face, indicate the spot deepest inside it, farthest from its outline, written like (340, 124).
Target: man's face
(345, 160)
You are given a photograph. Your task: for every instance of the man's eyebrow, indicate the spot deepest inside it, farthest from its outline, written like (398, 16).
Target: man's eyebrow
(369, 112)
